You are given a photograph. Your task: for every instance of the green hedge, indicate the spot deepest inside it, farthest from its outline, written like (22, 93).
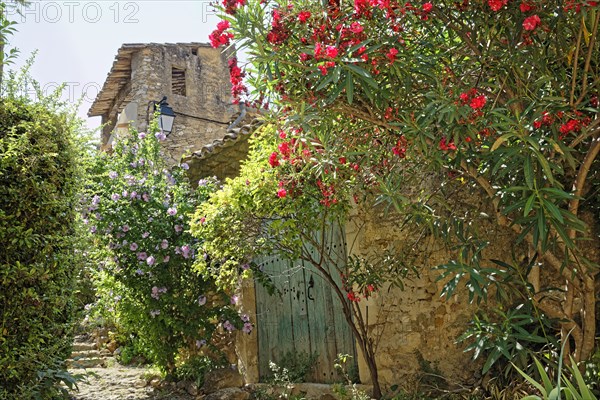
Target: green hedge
(38, 175)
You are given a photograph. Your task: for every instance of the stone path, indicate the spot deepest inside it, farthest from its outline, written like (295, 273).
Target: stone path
(105, 379)
(117, 382)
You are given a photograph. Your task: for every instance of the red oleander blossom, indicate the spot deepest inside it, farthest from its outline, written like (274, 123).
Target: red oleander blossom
(530, 23)
(353, 297)
(236, 77)
(496, 5)
(281, 193)
(526, 6)
(427, 7)
(274, 159)
(446, 146)
(284, 149)
(304, 16)
(331, 51)
(477, 103)
(219, 37)
(391, 54)
(231, 6)
(356, 27)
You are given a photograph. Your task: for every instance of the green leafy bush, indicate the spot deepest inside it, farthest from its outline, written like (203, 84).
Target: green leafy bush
(38, 262)
(138, 210)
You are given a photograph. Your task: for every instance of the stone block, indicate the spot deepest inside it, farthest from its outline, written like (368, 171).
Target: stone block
(220, 379)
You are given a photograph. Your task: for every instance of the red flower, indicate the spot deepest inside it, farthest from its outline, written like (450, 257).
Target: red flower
(356, 27)
(352, 297)
(496, 5)
(427, 7)
(526, 7)
(572, 125)
(219, 37)
(231, 6)
(304, 57)
(446, 146)
(537, 124)
(331, 51)
(222, 25)
(281, 193)
(303, 16)
(284, 148)
(530, 23)
(391, 55)
(478, 102)
(318, 50)
(273, 159)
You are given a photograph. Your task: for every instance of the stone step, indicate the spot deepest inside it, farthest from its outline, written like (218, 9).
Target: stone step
(89, 354)
(83, 346)
(87, 362)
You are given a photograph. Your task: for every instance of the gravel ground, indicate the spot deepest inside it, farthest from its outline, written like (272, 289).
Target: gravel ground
(124, 383)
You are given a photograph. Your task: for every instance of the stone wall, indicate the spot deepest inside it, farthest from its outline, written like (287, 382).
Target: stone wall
(416, 329)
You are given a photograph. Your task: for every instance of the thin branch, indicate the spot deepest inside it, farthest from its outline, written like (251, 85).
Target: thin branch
(588, 59)
(575, 62)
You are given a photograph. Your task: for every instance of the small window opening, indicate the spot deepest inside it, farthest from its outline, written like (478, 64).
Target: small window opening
(178, 81)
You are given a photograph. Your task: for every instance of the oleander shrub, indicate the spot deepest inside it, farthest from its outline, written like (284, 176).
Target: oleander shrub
(38, 257)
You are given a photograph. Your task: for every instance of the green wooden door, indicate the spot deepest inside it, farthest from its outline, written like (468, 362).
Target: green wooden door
(305, 316)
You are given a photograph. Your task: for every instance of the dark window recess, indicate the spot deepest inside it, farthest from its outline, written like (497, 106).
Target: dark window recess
(194, 52)
(178, 81)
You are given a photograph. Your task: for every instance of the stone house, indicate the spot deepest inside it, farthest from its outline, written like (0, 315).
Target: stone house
(193, 76)
(415, 329)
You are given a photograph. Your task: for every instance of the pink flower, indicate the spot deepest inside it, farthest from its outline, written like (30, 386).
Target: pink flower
(164, 244)
(150, 260)
(185, 251)
(172, 211)
(427, 7)
(247, 328)
(331, 51)
(530, 23)
(228, 326)
(281, 193)
(133, 246)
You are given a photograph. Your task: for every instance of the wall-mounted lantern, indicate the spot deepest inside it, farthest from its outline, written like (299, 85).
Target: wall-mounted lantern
(166, 116)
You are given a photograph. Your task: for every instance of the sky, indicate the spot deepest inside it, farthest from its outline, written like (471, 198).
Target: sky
(77, 40)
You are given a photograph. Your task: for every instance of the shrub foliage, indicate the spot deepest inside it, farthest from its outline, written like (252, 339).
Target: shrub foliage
(38, 185)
